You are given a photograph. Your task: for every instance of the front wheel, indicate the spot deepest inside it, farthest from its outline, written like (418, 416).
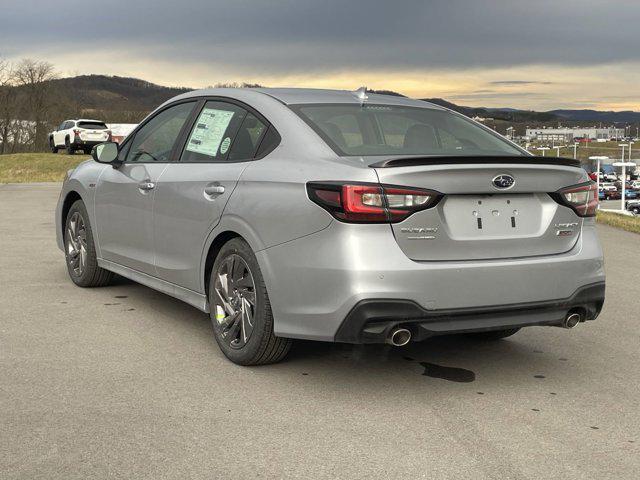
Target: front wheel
(52, 146)
(80, 251)
(240, 308)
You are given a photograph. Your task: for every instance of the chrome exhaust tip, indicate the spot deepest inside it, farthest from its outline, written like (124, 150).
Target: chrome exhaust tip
(572, 320)
(398, 337)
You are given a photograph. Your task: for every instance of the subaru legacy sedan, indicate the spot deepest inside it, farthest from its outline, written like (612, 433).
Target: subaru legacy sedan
(335, 216)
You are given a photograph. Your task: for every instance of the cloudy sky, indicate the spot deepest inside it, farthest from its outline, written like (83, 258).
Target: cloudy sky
(538, 54)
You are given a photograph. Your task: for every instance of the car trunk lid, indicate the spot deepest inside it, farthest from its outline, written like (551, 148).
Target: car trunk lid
(477, 220)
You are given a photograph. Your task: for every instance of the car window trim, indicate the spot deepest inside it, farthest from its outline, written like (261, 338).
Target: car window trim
(218, 98)
(172, 155)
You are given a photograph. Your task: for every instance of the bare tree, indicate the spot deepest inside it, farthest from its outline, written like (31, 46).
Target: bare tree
(34, 79)
(8, 104)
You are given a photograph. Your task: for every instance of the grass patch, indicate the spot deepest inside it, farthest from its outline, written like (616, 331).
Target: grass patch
(37, 167)
(625, 222)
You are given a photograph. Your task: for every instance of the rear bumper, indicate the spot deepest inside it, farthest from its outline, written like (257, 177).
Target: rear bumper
(316, 282)
(86, 143)
(370, 321)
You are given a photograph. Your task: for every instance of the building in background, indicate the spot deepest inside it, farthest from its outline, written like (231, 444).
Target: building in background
(569, 134)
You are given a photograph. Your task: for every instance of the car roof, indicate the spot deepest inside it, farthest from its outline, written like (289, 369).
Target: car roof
(292, 96)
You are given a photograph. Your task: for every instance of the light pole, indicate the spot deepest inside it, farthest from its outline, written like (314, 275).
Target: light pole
(558, 147)
(575, 150)
(543, 149)
(624, 173)
(598, 159)
(630, 143)
(624, 166)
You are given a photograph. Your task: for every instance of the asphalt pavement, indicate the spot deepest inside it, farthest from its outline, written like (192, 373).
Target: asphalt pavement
(125, 382)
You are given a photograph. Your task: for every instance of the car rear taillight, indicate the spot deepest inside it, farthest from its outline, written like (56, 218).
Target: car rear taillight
(370, 203)
(582, 199)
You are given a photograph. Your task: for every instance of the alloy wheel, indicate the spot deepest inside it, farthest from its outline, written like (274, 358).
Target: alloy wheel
(77, 244)
(235, 301)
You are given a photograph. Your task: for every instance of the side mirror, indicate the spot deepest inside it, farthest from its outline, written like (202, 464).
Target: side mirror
(105, 153)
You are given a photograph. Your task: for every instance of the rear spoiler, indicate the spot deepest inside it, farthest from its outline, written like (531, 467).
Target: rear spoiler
(475, 160)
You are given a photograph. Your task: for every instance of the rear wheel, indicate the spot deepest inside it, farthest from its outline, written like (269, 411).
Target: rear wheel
(70, 149)
(80, 251)
(240, 308)
(493, 334)
(636, 210)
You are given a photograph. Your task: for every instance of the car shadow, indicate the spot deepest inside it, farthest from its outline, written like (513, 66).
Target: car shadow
(449, 358)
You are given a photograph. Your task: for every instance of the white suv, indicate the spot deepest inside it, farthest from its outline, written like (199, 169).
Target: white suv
(80, 134)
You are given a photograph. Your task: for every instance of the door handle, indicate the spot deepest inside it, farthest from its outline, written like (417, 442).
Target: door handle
(214, 190)
(146, 186)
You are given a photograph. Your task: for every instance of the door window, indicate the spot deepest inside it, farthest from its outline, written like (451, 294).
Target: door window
(213, 133)
(155, 139)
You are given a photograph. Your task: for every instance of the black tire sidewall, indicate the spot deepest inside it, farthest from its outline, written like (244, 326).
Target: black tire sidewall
(85, 279)
(263, 321)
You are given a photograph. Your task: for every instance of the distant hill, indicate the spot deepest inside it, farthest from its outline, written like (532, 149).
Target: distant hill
(112, 95)
(506, 114)
(598, 116)
(106, 93)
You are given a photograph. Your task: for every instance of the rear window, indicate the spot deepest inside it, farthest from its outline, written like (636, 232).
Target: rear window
(92, 125)
(355, 130)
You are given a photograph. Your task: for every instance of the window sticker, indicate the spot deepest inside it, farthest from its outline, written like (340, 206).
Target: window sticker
(225, 145)
(207, 134)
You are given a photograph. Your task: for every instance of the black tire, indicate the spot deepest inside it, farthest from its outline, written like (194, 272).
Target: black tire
(91, 275)
(494, 334)
(52, 146)
(69, 148)
(86, 151)
(636, 210)
(262, 346)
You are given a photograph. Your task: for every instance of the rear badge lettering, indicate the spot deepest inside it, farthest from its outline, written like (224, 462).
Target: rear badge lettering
(418, 233)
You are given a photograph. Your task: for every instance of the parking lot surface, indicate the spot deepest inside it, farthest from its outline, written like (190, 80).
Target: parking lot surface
(125, 382)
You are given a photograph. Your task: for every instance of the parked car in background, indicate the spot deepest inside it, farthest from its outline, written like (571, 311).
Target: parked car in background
(119, 131)
(609, 190)
(635, 185)
(81, 134)
(335, 216)
(633, 206)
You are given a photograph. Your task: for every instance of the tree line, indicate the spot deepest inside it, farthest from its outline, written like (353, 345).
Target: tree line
(32, 104)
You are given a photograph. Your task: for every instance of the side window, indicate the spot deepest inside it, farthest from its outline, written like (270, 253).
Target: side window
(247, 139)
(154, 141)
(213, 132)
(62, 126)
(269, 142)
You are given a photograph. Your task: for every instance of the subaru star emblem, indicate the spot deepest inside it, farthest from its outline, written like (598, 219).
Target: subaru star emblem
(503, 182)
